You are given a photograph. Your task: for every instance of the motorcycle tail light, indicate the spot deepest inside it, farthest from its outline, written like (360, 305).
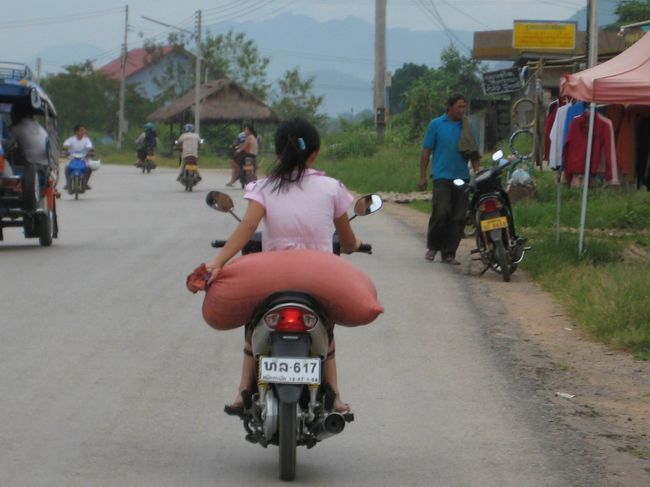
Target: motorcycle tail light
(2, 162)
(290, 319)
(487, 206)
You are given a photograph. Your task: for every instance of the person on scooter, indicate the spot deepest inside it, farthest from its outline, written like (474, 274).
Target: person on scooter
(79, 143)
(189, 144)
(146, 143)
(301, 208)
(248, 148)
(448, 162)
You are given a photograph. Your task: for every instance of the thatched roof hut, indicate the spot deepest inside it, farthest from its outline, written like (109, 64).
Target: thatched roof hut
(222, 100)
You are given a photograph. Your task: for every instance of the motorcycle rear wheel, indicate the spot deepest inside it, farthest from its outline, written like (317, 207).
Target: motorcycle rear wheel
(502, 259)
(287, 444)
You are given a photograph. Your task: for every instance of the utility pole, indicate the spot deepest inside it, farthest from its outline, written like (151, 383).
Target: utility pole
(120, 116)
(380, 69)
(38, 69)
(197, 76)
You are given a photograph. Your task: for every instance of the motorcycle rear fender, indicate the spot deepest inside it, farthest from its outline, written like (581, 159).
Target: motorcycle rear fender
(289, 345)
(496, 235)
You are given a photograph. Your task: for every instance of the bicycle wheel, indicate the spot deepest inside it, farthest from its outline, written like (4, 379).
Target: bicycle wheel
(523, 113)
(521, 143)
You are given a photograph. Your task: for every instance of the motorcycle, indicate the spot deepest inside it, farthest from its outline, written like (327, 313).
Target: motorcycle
(247, 171)
(78, 173)
(149, 163)
(291, 406)
(190, 176)
(498, 247)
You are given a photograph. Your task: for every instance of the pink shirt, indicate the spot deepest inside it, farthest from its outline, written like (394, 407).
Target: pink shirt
(301, 217)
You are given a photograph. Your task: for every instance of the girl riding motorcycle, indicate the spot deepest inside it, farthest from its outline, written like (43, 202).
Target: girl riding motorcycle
(302, 208)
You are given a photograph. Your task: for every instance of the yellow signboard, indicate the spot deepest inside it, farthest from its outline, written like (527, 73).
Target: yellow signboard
(544, 35)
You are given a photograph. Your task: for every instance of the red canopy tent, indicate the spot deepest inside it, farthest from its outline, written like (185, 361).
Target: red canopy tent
(624, 79)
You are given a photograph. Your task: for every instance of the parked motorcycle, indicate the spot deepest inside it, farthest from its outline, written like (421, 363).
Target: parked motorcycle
(291, 406)
(78, 173)
(496, 242)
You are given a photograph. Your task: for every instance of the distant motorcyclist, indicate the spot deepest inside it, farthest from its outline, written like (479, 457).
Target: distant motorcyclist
(146, 143)
(246, 149)
(188, 143)
(79, 143)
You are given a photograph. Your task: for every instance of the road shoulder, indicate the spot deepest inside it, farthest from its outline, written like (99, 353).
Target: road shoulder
(600, 391)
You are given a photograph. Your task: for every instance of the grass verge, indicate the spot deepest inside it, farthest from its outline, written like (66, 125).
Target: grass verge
(606, 290)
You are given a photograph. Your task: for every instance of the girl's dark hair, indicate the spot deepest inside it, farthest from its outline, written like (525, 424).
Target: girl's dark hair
(79, 126)
(295, 141)
(451, 101)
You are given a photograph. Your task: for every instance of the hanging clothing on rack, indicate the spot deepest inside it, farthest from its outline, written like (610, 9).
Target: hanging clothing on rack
(556, 138)
(609, 169)
(575, 149)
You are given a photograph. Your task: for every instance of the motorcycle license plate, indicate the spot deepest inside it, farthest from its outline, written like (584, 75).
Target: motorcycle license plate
(494, 224)
(191, 167)
(279, 370)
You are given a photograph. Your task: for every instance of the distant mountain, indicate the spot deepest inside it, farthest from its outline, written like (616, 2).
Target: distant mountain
(343, 94)
(340, 53)
(606, 14)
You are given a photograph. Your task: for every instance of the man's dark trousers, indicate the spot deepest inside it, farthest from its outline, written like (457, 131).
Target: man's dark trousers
(449, 205)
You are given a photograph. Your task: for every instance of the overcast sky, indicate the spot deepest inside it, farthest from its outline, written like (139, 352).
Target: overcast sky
(28, 27)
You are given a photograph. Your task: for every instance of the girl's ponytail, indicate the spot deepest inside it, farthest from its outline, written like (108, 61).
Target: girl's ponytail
(295, 141)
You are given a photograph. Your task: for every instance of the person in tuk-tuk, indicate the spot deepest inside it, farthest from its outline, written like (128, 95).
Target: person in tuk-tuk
(146, 143)
(79, 143)
(28, 136)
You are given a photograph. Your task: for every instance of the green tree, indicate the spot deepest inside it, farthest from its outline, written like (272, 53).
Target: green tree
(234, 56)
(229, 55)
(296, 99)
(428, 96)
(403, 80)
(631, 11)
(83, 95)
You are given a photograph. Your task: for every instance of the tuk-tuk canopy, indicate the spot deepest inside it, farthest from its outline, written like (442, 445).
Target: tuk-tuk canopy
(17, 85)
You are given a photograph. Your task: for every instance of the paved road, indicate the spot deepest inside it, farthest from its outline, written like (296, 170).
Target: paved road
(109, 377)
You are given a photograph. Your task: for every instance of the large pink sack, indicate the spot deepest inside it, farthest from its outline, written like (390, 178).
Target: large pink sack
(346, 293)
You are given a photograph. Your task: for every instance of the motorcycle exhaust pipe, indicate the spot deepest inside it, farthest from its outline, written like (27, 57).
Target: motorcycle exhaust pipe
(330, 425)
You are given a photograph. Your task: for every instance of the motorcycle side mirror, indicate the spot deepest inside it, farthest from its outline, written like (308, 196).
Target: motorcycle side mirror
(368, 204)
(497, 155)
(219, 201)
(459, 182)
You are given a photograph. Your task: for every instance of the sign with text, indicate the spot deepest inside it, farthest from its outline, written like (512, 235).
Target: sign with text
(533, 35)
(501, 81)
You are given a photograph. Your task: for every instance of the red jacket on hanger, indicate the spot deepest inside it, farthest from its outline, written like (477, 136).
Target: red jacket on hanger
(575, 148)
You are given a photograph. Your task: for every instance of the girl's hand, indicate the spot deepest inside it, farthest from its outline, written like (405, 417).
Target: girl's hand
(213, 268)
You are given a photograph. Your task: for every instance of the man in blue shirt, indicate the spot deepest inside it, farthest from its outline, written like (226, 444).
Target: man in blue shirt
(447, 163)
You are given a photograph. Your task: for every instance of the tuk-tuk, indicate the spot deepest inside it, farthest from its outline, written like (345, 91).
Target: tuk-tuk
(28, 171)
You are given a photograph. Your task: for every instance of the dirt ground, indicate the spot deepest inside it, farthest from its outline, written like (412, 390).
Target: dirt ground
(600, 391)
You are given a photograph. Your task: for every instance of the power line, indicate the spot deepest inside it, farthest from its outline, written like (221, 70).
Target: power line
(16, 24)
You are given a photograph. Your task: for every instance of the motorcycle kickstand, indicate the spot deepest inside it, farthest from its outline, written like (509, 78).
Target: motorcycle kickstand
(484, 270)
